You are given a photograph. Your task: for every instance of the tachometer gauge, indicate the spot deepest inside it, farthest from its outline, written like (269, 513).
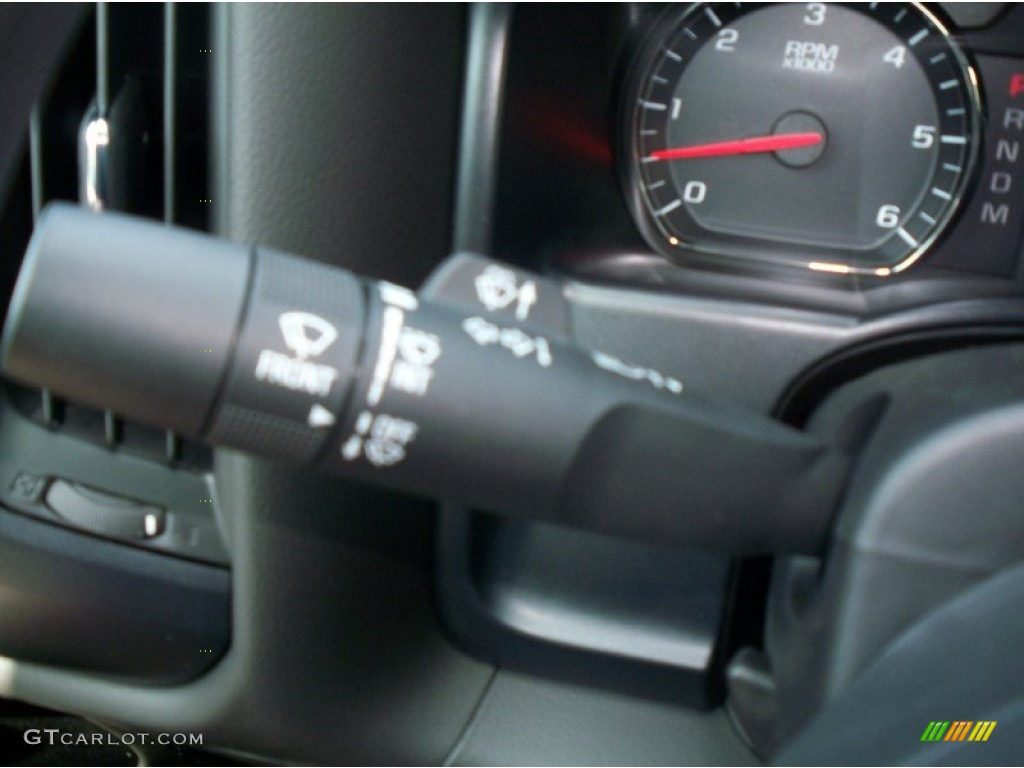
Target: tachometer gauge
(834, 137)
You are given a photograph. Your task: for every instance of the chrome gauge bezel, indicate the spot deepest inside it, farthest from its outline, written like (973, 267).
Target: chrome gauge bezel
(666, 28)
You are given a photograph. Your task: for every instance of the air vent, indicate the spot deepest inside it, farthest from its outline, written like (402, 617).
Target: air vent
(124, 128)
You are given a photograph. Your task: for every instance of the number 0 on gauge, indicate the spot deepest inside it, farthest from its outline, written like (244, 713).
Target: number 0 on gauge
(835, 137)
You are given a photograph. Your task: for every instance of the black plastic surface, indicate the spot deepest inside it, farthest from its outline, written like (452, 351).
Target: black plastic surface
(70, 601)
(583, 608)
(92, 313)
(534, 721)
(35, 37)
(932, 510)
(958, 662)
(320, 154)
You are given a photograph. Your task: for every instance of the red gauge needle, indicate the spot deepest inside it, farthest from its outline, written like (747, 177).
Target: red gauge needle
(774, 143)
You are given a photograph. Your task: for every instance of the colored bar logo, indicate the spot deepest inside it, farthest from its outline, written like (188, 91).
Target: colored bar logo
(958, 730)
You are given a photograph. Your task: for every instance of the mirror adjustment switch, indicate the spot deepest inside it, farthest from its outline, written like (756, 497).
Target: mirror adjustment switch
(104, 514)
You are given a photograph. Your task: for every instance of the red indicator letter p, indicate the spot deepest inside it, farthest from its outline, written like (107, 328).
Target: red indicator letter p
(1016, 84)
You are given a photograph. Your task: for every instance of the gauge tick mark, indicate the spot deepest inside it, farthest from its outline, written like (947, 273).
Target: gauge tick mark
(668, 208)
(906, 237)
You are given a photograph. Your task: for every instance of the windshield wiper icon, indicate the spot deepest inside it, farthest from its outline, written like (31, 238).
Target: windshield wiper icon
(306, 335)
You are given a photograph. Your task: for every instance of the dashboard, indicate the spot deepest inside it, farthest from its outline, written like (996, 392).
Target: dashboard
(808, 211)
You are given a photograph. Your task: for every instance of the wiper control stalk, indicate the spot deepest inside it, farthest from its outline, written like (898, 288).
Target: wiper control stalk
(471, 390)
